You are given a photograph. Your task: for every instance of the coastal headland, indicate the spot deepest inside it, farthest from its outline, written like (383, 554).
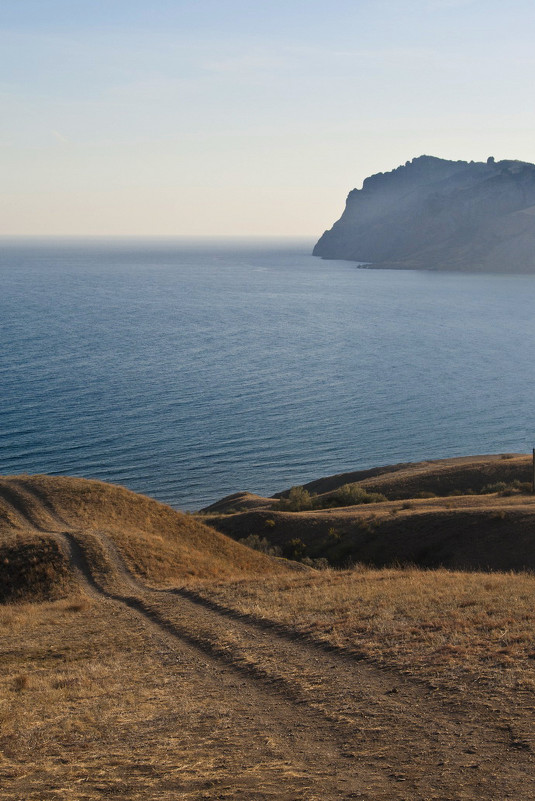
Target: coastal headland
(435, 214)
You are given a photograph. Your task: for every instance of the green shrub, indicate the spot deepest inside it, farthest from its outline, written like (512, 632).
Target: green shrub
(366, 525)
(522, 486)
(319, 564)
(354, 494)
(499, 486)
(299, 500)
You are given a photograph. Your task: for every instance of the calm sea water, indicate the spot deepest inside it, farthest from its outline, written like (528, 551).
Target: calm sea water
(191, 370)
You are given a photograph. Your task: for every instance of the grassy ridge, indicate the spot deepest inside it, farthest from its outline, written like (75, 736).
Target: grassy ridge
(474, 513)
(157, 543)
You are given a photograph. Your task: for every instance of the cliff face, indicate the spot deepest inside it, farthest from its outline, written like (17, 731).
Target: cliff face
(435, 214)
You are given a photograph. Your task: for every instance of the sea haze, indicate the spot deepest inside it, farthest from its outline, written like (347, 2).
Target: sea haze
(189, 370)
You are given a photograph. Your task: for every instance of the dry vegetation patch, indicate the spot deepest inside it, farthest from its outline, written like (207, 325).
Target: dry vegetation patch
(92, 706)
(33, 567)
(158, 543)
(437, 624)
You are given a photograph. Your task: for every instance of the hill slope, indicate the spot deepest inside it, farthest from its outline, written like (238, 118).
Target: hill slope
(157, 543)
(472, 513)
(435, 214)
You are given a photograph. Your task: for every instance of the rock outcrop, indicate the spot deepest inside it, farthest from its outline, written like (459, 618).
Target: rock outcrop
(434, 214)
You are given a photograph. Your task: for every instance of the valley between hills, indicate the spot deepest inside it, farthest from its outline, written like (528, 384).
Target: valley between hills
(376, 642)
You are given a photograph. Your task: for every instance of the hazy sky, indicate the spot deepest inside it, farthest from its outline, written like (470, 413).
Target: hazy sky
(239, 117)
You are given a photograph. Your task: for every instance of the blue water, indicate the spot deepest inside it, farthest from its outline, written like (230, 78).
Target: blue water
(189, 370)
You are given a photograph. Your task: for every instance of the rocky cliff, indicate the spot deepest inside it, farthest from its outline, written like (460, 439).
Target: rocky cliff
(434, 214)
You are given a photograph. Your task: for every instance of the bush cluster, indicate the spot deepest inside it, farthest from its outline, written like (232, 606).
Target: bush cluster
(354, 494)
(300, 500)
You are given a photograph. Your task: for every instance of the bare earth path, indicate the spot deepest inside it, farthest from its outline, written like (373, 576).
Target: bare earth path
(299, 722)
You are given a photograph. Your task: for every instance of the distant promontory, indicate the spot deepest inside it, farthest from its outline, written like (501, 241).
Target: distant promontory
(434, 214)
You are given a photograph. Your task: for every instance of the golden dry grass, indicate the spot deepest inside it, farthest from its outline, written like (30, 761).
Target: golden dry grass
(158, 543)
(441, 476)
(436, 624)
(95, 702)
(88, 709)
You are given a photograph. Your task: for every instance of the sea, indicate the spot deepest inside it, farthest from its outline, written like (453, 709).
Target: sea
(191, 369)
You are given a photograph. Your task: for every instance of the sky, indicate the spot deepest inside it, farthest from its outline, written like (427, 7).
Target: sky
(239, 118)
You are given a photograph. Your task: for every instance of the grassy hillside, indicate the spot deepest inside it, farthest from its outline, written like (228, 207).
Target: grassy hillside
(156, 542)
(442, 476)
(474, 513)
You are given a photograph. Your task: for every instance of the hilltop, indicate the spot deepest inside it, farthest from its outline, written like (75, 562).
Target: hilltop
(475, 513)
(435, 214)
(56, 532)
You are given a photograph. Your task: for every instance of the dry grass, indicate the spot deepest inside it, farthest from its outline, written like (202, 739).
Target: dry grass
(94, 703)
(430, 623)
(158, 543)
(84, 703)
(436, 516)
(33, 566)
(97, 701)
(441, 476)
(487, 532)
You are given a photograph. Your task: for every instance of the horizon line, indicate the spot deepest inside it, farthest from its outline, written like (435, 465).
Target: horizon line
(158, 236)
